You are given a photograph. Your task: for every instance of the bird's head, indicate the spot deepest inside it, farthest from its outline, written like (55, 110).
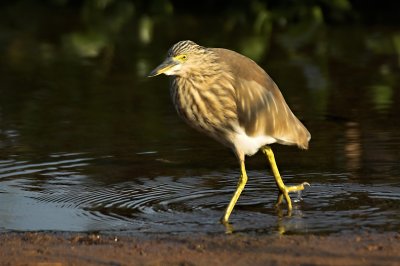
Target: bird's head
(183, 58)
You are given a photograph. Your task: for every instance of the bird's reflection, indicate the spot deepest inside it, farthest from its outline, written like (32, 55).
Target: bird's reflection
(228, 228)
(287, 220)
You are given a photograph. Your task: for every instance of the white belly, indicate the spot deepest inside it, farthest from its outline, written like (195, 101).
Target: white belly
(249, 145)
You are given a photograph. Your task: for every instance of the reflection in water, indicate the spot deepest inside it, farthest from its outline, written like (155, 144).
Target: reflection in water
(63, 194)
(382, 96)
(292, 222)
(353, 151)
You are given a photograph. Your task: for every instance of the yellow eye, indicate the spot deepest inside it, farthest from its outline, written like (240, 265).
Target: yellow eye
(181, 57)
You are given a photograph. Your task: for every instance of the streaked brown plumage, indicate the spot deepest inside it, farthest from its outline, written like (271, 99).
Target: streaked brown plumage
(230, 98)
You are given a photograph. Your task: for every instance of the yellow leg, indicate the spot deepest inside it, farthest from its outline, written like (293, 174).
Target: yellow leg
(240, 186)
(283, 190)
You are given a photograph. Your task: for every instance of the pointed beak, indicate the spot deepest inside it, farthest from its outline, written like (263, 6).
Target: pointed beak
(163, 67)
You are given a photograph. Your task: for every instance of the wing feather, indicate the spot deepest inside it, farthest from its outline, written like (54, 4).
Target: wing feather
(262, 110)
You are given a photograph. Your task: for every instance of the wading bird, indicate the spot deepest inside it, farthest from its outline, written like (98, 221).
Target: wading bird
(230, 98)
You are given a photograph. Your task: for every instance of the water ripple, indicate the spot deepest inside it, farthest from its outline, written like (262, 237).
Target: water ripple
(61, 186)
(17, 168)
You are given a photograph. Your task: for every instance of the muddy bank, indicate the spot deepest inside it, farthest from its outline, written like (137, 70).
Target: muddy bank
(98, 249)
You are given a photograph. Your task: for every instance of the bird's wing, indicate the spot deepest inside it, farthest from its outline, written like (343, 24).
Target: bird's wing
(262, 110)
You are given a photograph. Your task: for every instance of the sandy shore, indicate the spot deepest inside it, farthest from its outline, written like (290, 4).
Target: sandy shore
(97, 249)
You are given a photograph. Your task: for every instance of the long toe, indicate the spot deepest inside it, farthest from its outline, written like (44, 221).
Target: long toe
(297, 188)
(285, 190)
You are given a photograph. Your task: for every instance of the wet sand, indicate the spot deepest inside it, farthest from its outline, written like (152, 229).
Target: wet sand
(236, 249)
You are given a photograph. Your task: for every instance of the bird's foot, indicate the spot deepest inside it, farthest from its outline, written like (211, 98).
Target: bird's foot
(297, 188)
(284, 192)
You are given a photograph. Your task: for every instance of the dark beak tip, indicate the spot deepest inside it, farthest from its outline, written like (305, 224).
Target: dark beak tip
(162, 68)
(152, 74)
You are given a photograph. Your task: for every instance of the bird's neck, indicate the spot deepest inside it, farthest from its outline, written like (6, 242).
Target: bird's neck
(201, 78)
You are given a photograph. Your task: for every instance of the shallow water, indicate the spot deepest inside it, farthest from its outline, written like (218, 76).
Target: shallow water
(91, 144)
(59, 195)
